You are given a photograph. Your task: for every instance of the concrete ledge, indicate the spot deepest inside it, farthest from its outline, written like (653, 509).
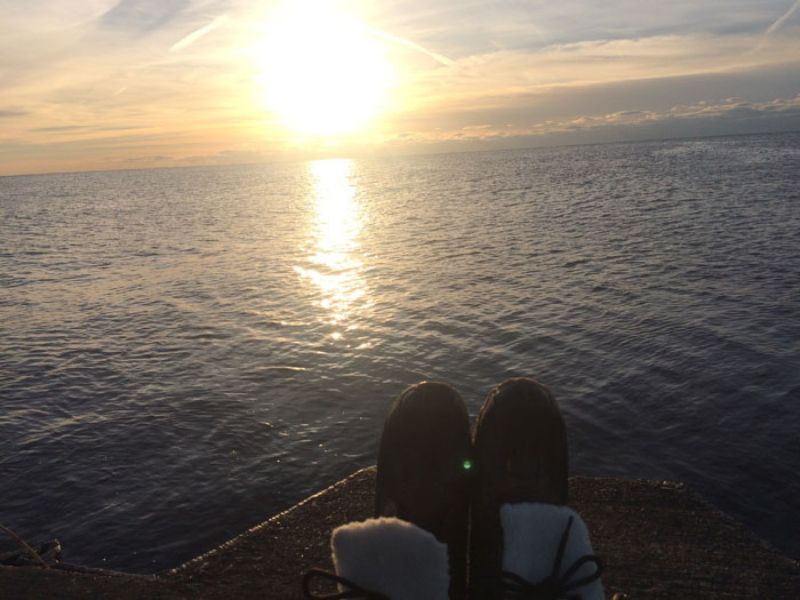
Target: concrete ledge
(658, 539)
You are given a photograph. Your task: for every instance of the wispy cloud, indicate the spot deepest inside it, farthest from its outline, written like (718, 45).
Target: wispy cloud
(728, 109)
(190, 39)
(141, 16)
(9, 113)
(485, 81)
(183, 80)
(678, 120)
(783, 18)
(440, 58)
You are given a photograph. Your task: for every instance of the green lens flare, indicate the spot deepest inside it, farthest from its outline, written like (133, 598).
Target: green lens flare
(467, 465)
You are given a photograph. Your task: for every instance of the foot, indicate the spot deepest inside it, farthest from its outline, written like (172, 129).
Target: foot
(383, 559)
(547, 553)
(424, 463)
(520, 450)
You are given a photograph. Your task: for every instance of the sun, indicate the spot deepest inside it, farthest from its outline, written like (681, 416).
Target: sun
(324, 72)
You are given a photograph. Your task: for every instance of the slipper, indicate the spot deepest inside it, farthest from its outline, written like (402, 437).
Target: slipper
(380, 559)
(520, 455)
(547, 554)
(424, 468)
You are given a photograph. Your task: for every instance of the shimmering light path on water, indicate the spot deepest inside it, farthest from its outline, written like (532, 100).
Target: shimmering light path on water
(185, 352)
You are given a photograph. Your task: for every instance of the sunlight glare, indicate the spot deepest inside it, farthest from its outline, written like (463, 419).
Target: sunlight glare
(324, 74)
(335, 265)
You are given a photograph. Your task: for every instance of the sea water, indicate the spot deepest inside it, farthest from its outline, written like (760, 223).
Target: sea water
(184, 352)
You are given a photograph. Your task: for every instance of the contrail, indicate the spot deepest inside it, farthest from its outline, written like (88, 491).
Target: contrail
(196, 35)
(774, 27)
(413, 46)
(782, 19)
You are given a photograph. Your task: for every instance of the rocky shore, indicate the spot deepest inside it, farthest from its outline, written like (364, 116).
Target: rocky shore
(658, 539)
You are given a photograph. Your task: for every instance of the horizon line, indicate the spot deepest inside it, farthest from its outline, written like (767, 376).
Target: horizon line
(287, 159)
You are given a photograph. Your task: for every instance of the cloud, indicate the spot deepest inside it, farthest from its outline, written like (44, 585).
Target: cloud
(82, 128)
(179, 80)
(190, 39)
(463, 28)
(142, 16)
(440, 58)
(11, 113)
(732, 109)
(59, 128)
(783, 18)
(732, 115)
(488, 81)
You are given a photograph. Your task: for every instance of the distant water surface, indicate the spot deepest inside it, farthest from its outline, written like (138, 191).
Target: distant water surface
(185, 352)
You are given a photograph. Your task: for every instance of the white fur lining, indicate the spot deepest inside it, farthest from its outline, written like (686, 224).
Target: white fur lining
(393, 557)
(532, 532)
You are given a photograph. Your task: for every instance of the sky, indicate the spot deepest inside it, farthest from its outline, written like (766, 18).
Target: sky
(111, 84)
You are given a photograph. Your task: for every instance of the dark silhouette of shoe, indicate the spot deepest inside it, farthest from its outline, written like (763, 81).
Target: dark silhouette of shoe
(520, 455)
(424, 469)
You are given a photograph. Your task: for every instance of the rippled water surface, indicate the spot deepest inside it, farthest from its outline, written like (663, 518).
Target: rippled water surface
(184, 352)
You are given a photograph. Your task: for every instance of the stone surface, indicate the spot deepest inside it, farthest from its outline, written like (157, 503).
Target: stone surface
(658, 540)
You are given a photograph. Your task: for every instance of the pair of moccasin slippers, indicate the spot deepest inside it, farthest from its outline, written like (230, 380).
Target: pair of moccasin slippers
(458, 515)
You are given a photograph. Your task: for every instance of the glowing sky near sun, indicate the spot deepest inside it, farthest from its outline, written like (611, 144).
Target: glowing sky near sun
(127, 83)
(324, 72)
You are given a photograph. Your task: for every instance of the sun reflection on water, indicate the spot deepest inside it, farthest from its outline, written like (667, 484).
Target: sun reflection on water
(335, 267)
